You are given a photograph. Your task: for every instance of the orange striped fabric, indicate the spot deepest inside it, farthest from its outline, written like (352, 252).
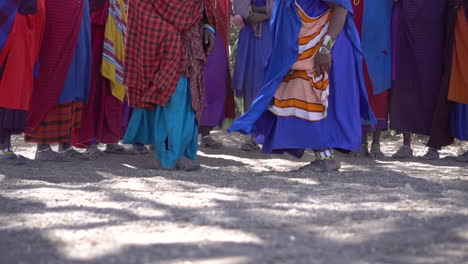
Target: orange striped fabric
(321, 84)
(58, 124)
(299, 104)
(303, 92)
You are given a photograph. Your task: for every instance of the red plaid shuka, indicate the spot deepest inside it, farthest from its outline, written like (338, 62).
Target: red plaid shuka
(57, 126)
(163, 43)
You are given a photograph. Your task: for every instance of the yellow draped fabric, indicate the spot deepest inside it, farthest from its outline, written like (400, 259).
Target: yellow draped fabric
(113, 55)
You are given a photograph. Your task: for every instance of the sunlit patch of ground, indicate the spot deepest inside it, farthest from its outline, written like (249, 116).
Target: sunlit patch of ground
(240, 208)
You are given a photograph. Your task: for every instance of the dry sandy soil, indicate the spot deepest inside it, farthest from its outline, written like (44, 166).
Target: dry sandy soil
(240, 208)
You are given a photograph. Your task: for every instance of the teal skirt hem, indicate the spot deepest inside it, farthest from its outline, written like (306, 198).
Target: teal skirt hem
(171, 129)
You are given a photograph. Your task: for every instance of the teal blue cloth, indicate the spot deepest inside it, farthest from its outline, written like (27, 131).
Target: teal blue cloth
(376, 43)
(172, 129)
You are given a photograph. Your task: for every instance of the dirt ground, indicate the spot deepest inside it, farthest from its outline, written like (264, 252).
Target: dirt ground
(240, 208)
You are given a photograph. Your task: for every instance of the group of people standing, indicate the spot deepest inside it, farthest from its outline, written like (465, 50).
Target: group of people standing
(313, 74)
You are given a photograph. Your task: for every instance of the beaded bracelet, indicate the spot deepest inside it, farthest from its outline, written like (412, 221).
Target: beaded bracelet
(327, 158)
(6, 151)
(210, 28)
(325, 155)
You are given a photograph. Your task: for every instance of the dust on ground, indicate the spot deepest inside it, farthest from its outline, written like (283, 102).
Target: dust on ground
(240, 208)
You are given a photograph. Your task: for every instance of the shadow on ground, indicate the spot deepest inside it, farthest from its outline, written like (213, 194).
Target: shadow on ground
(241, 208)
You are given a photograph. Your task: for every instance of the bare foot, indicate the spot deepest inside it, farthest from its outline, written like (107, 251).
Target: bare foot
(209, 142)
(72, 154)
(404, 152)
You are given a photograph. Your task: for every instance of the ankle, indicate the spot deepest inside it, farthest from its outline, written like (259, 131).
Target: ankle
(41, 147)
(326, 154)
(64, 147)
(92, 147)
(6, 151)
(433, 150)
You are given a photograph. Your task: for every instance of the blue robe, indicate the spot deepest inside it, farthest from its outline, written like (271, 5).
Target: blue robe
(251, 59)
(8, 11)
(78, 80)
(376, 43)
(348, 102)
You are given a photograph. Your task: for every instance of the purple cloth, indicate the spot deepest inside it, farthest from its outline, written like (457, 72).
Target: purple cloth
(12, 122)
(216, 77)
(127, 112)
(381, 124)
(419, 65)
(395, 15)
(28, 7)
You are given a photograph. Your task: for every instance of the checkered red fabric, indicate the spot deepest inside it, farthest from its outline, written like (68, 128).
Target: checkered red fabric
(57, 126)
(155, 53)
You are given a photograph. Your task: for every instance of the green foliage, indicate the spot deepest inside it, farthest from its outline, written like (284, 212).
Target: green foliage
(233, 41)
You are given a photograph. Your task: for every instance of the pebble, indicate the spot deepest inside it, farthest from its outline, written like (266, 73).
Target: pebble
(408, 187)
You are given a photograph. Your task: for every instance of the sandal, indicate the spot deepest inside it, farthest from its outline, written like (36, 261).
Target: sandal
(157, 165)
(9, 158)
(139, 150)
(185, 164)
(93, 153)
(209, 142)
(404, 152)
(463, 158)
(117, 149)
(432, 154)
(72, 154)
(250, 145)
(363, 152)
(321, 166)
(49, 155)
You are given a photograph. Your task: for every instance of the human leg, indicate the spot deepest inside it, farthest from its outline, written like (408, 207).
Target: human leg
(405, 151)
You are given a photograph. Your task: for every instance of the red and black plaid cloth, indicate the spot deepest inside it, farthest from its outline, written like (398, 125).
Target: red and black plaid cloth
(163, 43)
(57, 126)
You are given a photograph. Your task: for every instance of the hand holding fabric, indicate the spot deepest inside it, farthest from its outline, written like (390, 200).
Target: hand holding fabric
(208, 40)
(239, 22)
(322, 63)
(256, 18)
